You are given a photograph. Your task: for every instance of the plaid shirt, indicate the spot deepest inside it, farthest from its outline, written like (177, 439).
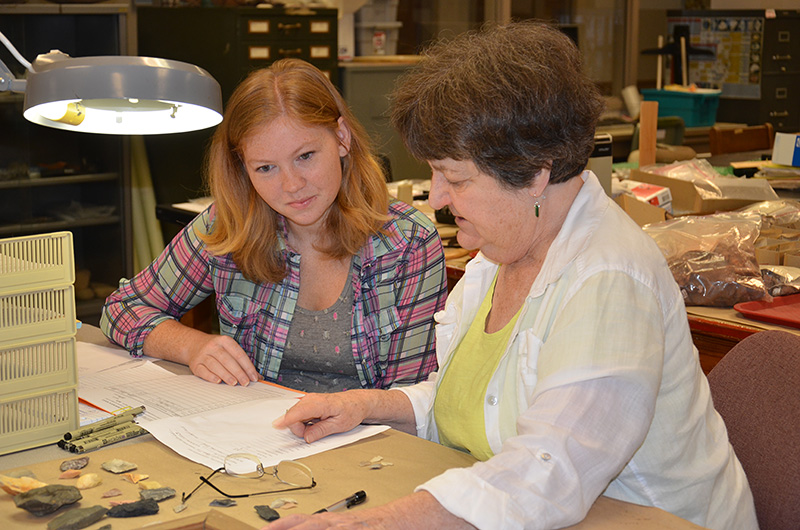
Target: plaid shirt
(399, 282)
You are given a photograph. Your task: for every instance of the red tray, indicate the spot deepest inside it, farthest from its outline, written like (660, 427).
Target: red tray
(783, 310)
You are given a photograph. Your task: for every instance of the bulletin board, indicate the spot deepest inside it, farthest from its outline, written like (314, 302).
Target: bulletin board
(737, 43)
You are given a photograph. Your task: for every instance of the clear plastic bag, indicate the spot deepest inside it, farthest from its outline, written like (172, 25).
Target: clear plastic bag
(712, 257)
(781, 280)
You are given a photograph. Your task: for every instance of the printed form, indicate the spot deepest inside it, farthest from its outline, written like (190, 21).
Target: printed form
(197, 419)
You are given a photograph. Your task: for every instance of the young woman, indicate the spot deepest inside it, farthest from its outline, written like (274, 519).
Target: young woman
(322, 282)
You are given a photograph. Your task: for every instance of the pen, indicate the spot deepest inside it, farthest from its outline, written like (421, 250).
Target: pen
(132, 432)
(96, 435)
(103, 424)
(356, 498)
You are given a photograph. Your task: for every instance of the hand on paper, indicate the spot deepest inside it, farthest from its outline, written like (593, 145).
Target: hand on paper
(221, 359)
(316, 416)
(418, 510)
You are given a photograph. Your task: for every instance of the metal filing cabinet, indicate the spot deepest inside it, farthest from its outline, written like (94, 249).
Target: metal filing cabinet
(763, 48)
(228, 42)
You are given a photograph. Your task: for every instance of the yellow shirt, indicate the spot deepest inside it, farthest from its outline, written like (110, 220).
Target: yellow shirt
(458, 407)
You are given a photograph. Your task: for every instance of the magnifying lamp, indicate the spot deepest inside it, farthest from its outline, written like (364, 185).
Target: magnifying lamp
(115, 94)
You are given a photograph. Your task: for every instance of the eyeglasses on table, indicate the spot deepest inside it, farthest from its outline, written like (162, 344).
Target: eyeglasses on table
(243, 465)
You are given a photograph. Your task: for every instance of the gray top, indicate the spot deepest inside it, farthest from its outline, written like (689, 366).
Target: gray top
(319, 349)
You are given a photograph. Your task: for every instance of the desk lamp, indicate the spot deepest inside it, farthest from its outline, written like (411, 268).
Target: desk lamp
(115, 94)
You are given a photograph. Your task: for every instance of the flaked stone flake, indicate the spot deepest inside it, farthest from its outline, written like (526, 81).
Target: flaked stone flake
(267, 513)
(134, 509)
(179, 508)
(70, 473)
(223, 503)
(75, 463)
(89, 480)
(118, 466)
(135, 478)
(284, 503)
(77, 518)
(113, 492)
(17, 485)
(375, 463)
(157, 494)
(47, 499)
(149, 485)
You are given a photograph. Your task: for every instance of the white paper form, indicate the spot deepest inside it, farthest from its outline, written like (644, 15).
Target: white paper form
(95, 358)
(167, 395)
(245, 428)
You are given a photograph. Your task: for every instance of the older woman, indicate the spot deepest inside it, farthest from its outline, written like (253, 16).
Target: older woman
(566, 363)
(322, 283)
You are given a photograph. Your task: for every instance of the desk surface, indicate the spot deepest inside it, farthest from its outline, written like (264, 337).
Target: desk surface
(338, 474)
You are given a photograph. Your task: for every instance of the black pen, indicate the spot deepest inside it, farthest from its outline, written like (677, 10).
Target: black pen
(356, 498)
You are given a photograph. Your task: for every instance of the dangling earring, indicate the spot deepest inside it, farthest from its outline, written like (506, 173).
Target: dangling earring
(536, 205)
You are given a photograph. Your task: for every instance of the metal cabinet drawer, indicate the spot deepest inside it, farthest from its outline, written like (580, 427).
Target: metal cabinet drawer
(780, 101)
(258, 27)
(782, 45)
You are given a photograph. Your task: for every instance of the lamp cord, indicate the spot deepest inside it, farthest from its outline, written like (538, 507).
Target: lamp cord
(18, 56)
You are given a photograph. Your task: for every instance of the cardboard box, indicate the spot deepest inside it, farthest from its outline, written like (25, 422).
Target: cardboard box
(641, 212)
(786, 149)
(686, 199)
(656, 195)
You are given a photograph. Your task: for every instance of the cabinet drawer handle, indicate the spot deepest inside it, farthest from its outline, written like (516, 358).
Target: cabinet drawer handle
(779, 114)
(289, 53)
(786, 57)
(286, 28)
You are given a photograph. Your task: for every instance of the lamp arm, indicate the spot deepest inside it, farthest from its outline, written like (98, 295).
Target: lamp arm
(7, 79)
(8, 82)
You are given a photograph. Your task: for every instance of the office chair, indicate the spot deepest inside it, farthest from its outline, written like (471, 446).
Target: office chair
(756, 390)
(736, 140)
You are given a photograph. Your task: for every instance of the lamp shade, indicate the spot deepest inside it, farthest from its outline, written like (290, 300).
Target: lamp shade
(121, 95)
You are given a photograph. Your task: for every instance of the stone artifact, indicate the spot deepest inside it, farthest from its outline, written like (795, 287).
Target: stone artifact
(134, 509)
(70, 473)
(89, 480)
(77, 518)
(118, 466)
(47, 499)
(149, 485)
(113, 492)
(75, 463)
(267, 513)
(136, 477)
(17, 485)
(157, 494)
(223, 503)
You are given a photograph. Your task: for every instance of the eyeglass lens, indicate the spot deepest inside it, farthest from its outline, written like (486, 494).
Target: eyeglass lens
(243, 465)
(289, 472)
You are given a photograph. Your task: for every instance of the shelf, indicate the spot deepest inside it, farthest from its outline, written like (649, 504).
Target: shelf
(58, 181)
(53, 226)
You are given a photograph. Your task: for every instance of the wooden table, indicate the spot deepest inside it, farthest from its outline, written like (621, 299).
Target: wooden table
(715, 330)
(338, 472)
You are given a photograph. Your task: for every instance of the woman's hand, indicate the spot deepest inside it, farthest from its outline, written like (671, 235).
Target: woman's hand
(215, 358)
(316, 416)
(418, 510)
(222, 359)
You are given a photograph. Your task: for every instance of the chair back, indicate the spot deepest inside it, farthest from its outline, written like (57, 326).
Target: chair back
(756, 390)
(738, 139)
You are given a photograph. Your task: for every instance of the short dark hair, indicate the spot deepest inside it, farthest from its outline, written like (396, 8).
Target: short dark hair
(512, 99)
